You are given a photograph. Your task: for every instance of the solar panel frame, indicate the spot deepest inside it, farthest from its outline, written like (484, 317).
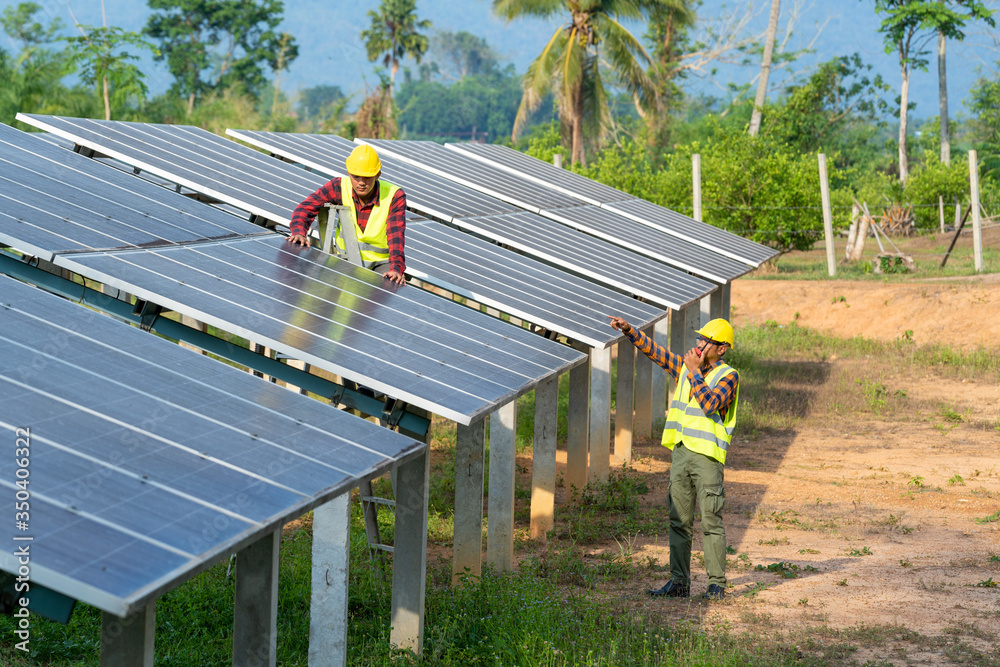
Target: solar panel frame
(184, 287)
(167, 436)
(524, 165)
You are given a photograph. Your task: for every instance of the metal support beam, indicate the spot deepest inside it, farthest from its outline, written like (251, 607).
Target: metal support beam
(409, 560)
(642, 421)
(662, 333)
(500, 522)
(624, 400)
(470, 457)
(705, 306)
(128, 641)
(331, 555)
(543, 459)
(412, 423)
(255, 612)
(715, 305)
(600, 414)
(577, 428)
(691, 326)
(727, 292)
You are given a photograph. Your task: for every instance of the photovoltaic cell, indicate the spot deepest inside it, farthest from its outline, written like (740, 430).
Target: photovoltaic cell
(53, 200)
(515, 162)
(149, 462)
(404, 342)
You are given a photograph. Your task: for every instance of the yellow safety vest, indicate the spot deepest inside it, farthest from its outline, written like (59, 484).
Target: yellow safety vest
(374, 241)
(706, 434)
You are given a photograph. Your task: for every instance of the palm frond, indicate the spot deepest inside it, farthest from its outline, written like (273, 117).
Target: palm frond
(540, 78)
(512, 9)
(628, 59)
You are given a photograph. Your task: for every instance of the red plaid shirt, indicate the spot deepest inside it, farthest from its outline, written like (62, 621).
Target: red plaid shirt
(305, 213)
(710, 400)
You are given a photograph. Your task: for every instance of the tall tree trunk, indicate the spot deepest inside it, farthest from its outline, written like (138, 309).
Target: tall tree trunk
(107, 97)
(765, 68)
(943, 98)
(190, 104)
(579, 155)
(904, 94)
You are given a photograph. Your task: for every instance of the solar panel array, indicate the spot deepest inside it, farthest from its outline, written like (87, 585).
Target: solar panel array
(463, 167)
(304, 303)
(52, 200)
(551, 242)
(149, 462)
(515, 162)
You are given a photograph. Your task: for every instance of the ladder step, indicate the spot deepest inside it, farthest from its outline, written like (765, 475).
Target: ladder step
(379, 501)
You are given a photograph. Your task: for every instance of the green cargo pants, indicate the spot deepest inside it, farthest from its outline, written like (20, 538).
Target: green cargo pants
(692, 476)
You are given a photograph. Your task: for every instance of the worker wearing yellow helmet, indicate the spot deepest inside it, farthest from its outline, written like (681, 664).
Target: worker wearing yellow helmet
(377, 214)
(698, 430)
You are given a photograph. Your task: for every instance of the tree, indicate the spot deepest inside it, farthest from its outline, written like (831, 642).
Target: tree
(667, 35)
(904, 20)
(393, 35)
(212, 45)
(21, 25)
(106, 63)
(463, 54)
(317, 101)
(765, 67)
(951, 24)
(570, 64)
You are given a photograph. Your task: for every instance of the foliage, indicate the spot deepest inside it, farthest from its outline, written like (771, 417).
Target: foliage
(393, 34)
(318, 102)
(375, 118)
(220, 44)
(984, 102)
(104, 61)
(568, 66)
(461, 54)
(20, 23)
(931, 180)
(484, 103)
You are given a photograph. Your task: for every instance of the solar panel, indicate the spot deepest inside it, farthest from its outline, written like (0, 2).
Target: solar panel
(404, 342)
(57, 201)
(521, 286)
(628, 233)
(149, 462)
(581, 253)
(515, 162)
(702, 234)
(194, 158)
(670, 288)
(673, 230)
(466, 170)
(326, 154)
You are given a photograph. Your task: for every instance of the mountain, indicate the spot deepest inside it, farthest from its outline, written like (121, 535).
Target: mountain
(331, 52)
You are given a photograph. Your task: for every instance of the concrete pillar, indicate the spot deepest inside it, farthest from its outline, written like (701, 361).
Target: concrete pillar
(642, 421)
(577, 428)
(715, 305)
(705, 306)
(658, 395)
(624, 399)
(727, 291)
(409, 558)
(500, 522)
(691, 326)
(128, 641)
(331, 555)
(255, 617)
(543, 458)
(470, 458)
(600, 414)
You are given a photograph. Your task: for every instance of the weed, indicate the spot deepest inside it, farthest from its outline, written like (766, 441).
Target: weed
(908, 335)
(950, 415)
(989, 519)
(785, 570)
(773, 542)
(957, 479)
(874, 393)
(842, 582)
(754, 589)
(839, 299)
(905, 563)
(863, 551)
(730, 549)
(994, 558)
(808, 551)
(989, 583)
(916, 481)
(804, 602)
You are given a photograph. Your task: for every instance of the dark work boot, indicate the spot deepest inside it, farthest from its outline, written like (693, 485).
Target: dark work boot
(672, 590)
(714, 592)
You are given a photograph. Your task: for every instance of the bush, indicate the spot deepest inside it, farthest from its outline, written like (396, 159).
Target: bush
(932, 180)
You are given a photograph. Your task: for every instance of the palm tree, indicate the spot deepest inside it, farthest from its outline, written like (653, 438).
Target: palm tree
(569, 65)
(393, 34)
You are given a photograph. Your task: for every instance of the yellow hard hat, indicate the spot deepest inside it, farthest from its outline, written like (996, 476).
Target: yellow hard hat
(363, 161)
(719, 331)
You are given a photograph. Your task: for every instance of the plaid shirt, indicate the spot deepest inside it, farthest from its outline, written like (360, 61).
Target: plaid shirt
(710, 400)
(305, 212)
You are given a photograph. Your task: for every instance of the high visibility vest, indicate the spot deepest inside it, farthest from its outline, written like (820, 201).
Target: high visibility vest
(374, 240)
(686, 421)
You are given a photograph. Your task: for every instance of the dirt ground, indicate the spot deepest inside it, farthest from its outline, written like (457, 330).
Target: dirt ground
(884, 508)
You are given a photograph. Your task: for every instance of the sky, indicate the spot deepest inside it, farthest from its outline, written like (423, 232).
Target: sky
(331, 52)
